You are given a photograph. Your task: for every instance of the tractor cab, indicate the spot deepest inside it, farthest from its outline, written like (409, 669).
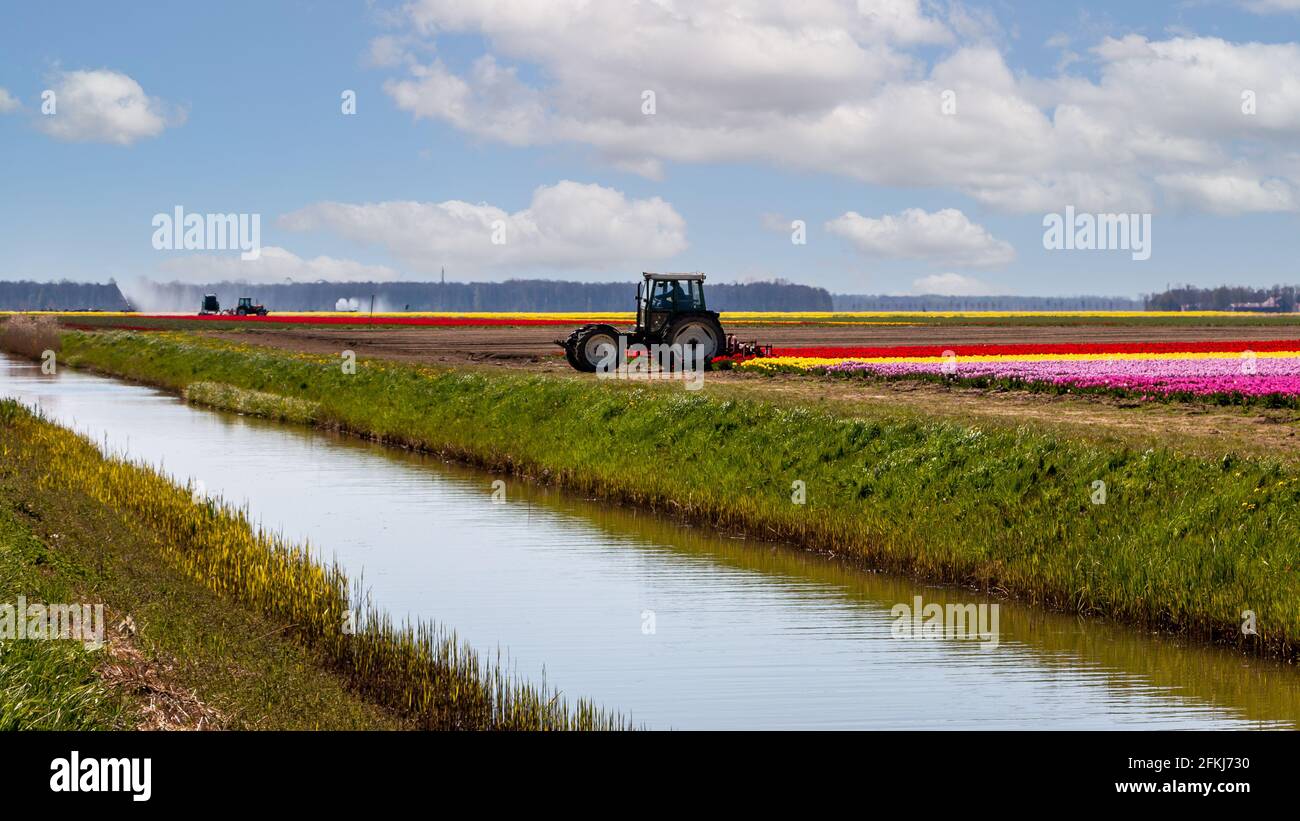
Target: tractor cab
(660, 298)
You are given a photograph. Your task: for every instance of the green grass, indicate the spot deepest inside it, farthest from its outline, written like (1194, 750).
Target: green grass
(1182, 543)
(252, 623)
(252, 403)
(68, 547)
(47, 685)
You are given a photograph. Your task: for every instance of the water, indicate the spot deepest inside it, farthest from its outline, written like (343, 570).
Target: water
(745, 634)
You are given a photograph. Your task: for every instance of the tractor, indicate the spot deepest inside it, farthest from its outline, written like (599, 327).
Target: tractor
(210, 305)
(670, 310)
(247, 308)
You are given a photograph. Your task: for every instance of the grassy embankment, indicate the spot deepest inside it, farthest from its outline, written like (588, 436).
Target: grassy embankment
(1180, 543)
(247, 631)
(48, 685)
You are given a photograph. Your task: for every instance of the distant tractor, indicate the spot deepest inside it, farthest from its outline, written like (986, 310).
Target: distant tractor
(670, 310)
(247, 308)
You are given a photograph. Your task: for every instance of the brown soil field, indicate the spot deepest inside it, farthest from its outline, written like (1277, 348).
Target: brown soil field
(535, 346)
(1207, 430)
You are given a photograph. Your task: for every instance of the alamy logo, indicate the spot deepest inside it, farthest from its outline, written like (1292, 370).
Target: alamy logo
(1098, 232)
(180, 231)
(656, 361)
(953, 621)
(50, 622)
(77, 774)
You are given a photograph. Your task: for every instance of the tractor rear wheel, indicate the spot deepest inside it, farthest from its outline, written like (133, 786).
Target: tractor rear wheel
(570, 352)
(703, 335)
(592, 346)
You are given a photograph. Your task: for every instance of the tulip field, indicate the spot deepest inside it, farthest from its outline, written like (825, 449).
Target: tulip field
(1225, 372)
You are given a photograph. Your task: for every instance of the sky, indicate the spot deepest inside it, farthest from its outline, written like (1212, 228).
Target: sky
(876, 146)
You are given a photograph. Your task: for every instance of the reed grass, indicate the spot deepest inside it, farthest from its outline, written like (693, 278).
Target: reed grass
(420, 671)
(1181, 543)
(252, 403)
(30, 336)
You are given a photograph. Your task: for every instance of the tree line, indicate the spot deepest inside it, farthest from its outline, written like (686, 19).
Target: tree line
(24, 295)
(936, 302)
(512, 295)
(1224, 298)
(558, 295)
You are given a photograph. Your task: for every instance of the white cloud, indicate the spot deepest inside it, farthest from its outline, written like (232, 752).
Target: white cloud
(497, 105)
(8, 102)
(567, 226)
(275, 264)
(1228, 194)
(945, 236)
(107, 107)
(901, 21)
(837, 87)
(386, 51)
(950, 285)
(1272, 6)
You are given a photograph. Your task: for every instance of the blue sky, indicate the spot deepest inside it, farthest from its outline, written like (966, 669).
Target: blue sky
(238, 111)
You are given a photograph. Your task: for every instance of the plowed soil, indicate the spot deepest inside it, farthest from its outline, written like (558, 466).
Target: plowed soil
(535, 346)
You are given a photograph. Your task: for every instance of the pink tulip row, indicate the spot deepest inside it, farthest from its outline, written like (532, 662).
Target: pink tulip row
(1272, 376)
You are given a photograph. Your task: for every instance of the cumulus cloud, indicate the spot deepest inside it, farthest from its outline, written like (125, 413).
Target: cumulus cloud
(950, 285)
(841, 87)
(567, 226)
(945, 236)
(105, 106)
(1228, 194)
(8, 102)
(275, 264)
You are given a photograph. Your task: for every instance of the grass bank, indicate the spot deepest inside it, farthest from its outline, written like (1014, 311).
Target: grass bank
(247, 630)
(1180, 543)
(48, 685)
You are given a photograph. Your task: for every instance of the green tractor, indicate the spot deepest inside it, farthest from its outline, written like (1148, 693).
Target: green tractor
(670, 310)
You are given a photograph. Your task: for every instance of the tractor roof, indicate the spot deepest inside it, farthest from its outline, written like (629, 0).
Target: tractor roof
(696, 276)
